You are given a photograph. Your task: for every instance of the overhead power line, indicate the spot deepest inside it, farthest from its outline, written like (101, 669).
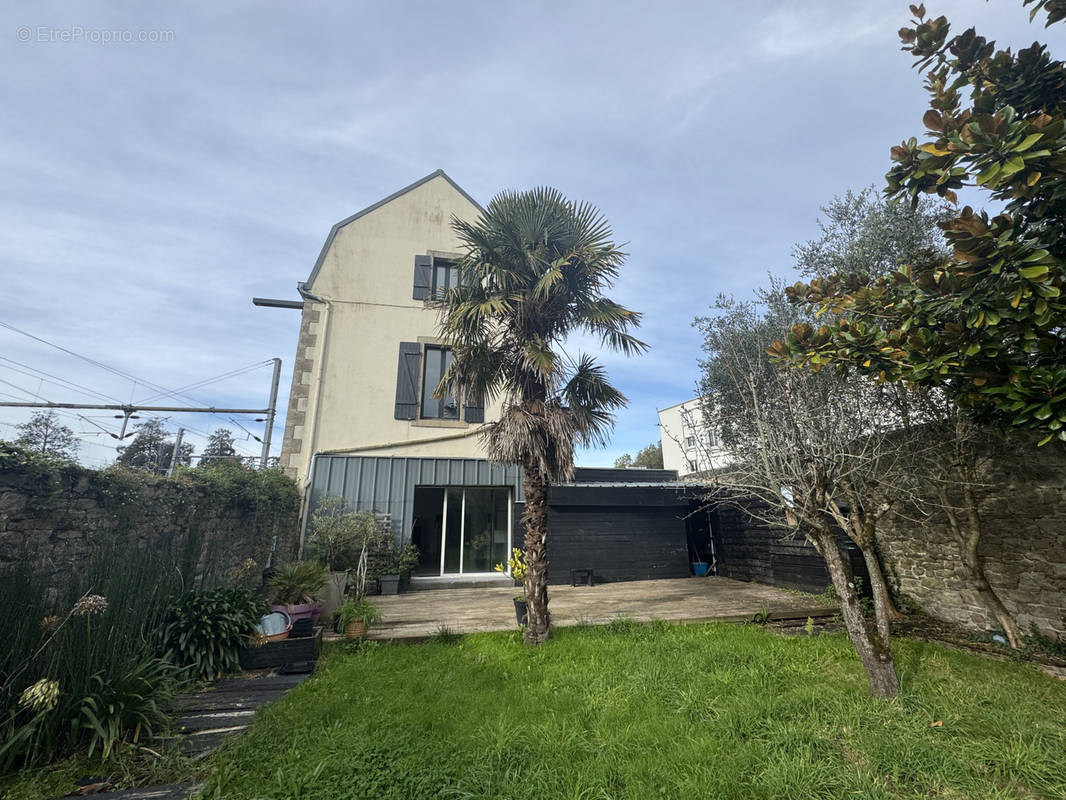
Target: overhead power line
(65, 383)
(206, 381)
(161, 390)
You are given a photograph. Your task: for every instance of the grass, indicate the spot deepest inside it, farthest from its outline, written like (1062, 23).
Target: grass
(629, 711)
(127, 766)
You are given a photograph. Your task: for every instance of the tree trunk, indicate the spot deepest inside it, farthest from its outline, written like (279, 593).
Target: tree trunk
(535, 518)
(969, 540)
(874, 648)
(884, 610)
(863, 531)
(971, 557)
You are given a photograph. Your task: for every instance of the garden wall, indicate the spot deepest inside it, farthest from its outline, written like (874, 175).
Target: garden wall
(56, 515)
(1023, 508)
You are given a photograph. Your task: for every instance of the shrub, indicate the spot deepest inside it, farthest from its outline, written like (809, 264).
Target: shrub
(122, 709)
(297, 583)
(357, 610)
(85, 649)
(395, 560)
(204, 630)
(335, 535)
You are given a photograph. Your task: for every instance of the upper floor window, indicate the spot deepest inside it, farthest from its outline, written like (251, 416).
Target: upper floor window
(690, 441)
(444, 277)
(418, 374)
(436, 362)
(434, 275)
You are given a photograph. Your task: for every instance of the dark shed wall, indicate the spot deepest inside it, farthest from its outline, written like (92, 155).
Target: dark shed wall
(617, 543)
(748, 550)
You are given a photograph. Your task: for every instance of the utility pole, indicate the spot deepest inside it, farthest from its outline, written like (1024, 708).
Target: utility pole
(272, 410)
(174, 453)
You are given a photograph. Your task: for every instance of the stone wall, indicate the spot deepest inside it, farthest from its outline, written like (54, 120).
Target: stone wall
(1023, 510)
(56, 516)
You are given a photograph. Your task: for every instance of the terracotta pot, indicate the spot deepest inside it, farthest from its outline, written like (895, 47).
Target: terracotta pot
(356, 629)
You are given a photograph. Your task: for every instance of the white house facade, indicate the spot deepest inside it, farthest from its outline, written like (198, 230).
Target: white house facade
(689, 445)
(362, 421)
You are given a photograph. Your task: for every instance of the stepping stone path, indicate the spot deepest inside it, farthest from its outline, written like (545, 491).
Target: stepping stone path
(208, 717)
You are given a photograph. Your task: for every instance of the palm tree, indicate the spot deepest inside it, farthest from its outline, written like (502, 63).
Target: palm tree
(533, 271)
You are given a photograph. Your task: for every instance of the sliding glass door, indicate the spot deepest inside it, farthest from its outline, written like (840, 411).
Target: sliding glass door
(474, 526)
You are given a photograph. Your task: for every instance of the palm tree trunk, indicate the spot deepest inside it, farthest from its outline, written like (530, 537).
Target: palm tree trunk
(535, 518)
(873, 648)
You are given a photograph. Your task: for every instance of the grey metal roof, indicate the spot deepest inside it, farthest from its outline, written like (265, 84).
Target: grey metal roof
(333, 231)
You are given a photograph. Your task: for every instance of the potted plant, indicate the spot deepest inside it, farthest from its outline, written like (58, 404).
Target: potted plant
(293, 589)
(516, 567)
(355, 616)
(335, 538)
(396, 564)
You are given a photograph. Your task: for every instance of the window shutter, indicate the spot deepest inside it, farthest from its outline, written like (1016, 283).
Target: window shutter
(423, 277)
(407, 380)
(474, 410)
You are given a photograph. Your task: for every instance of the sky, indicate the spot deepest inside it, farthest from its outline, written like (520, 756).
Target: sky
(163, 164)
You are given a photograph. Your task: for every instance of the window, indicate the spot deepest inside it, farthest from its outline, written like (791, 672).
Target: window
(444, 277)
(712, 439)
(419, 371)
(437, 360)
(690, 441)
(691, 465)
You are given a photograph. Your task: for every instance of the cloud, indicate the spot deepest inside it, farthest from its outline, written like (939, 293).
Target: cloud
(150, 190)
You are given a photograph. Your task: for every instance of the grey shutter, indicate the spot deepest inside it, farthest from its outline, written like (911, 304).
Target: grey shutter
(407, 380)
(474, 410)
(423, 277)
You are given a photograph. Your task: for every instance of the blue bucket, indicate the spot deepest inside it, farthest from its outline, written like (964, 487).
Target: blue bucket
(699, 568)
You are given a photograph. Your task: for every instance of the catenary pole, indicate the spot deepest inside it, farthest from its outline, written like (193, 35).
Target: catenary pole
(174, 453)
(272, 411)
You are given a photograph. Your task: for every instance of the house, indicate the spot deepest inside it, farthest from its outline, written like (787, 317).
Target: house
(363, 422)
(690, 445)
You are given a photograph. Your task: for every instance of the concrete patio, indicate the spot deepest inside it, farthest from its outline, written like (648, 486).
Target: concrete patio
(421, 614)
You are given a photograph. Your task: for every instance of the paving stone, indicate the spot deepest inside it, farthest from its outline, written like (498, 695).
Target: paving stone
(419, 615)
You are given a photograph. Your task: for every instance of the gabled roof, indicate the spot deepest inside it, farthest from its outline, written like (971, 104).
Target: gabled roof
(333, 231)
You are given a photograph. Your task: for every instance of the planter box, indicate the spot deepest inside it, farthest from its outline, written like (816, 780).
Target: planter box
(390, 584)
(278, 654)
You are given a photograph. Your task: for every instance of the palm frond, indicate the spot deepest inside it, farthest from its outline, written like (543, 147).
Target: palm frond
(534, 270)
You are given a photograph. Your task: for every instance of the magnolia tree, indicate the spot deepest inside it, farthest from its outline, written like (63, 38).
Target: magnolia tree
(817, 452)
(983, 322)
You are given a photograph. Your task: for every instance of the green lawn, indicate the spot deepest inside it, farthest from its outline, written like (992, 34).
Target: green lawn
(711, 711)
